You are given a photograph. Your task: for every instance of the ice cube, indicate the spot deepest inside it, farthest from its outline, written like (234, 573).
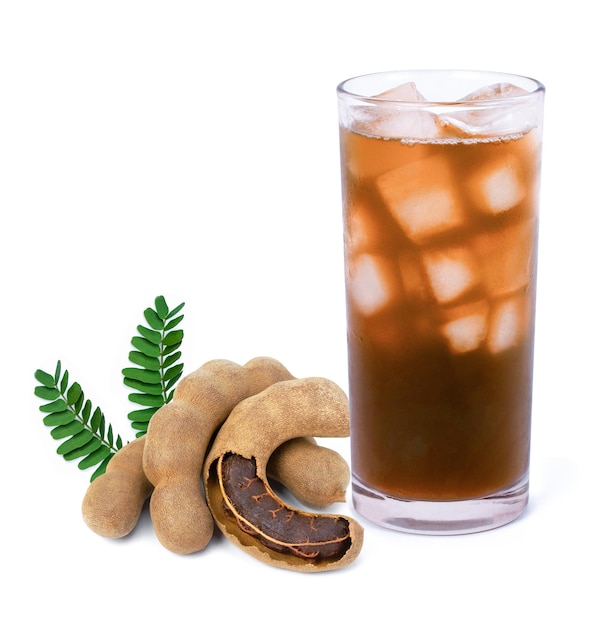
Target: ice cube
(368, 283)
(361, 229)
(421, 196)
(466, 325)
(407, 92)
(497, 187)
(403, 119)
(384, 331)
(409, 124)
(451, 272)
(506, 257)
(493, 92)
(414, 280)
(491, 117)
(508, 323)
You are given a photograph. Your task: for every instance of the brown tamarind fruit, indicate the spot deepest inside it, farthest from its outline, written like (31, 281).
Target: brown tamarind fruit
(242, 502)
(315, 475)
(178, 438)
(113, 501)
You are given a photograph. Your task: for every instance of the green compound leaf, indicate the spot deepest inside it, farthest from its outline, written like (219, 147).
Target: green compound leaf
(72, 420)
(81, 428)
(157, 357)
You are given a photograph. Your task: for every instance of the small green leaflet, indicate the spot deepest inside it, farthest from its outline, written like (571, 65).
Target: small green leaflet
(157, 357)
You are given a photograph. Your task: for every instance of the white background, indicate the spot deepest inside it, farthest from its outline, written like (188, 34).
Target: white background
(190, 149)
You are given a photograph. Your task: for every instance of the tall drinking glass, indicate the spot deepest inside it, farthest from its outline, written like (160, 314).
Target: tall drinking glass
(440, 178)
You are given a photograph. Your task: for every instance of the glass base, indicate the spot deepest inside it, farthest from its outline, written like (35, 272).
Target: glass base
(440, 518)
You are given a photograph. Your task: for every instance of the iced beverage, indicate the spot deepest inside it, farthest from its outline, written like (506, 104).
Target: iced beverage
(441, 220)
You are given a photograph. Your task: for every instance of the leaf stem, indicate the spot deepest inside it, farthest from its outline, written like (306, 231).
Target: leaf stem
(162, 367)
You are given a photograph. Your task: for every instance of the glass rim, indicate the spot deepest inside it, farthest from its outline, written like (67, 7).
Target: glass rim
(537, 88)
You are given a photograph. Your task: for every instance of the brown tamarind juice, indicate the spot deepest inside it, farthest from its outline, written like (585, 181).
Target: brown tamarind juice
(440, 221)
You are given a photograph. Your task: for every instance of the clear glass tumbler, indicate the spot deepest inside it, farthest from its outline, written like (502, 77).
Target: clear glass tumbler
(440, 178)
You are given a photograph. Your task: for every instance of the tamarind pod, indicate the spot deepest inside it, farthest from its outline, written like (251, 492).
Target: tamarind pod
(178, 438)
(113, 502)
(298, 407)
(315, 475)
(241, 500)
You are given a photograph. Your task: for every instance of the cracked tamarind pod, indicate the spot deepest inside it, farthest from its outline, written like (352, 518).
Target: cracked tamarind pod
(315, 475)
(241, 500)
(178, 438)
(113, 502)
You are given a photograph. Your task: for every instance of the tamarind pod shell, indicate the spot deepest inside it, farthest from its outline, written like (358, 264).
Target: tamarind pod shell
(254, 429)
(315, 475)
(300, 407)
(178, 438)
(113, 502)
